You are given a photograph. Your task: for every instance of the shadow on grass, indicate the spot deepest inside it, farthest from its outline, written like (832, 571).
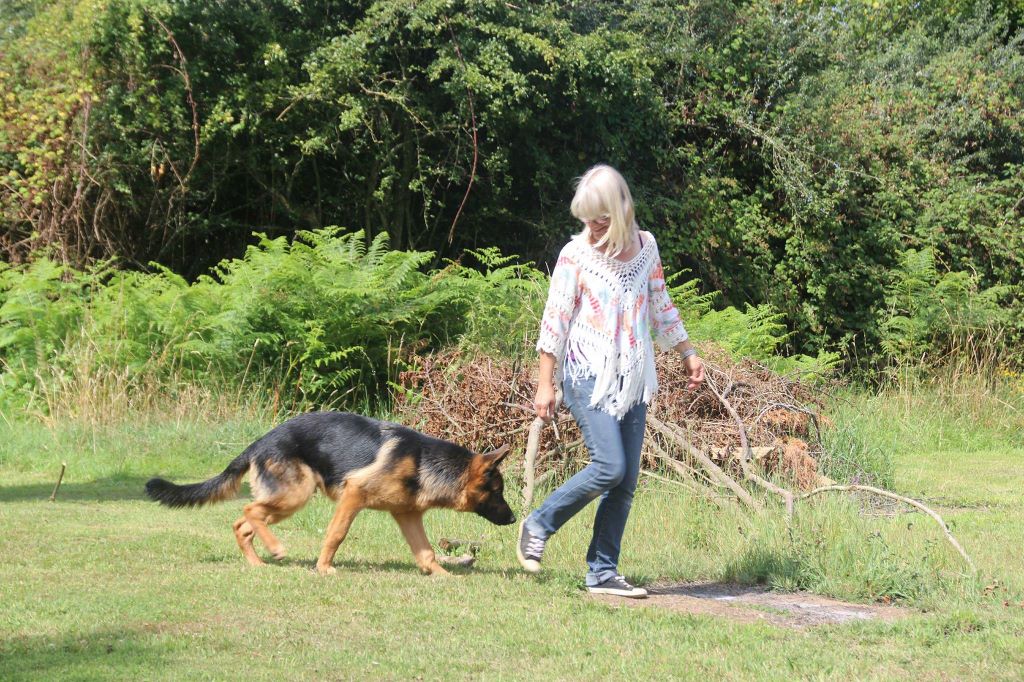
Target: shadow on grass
(107, 654)
(109, 489)
(356, 566)
(763, 566)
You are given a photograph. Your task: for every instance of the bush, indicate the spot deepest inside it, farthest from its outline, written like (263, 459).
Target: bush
(327, 318)
(935, 318)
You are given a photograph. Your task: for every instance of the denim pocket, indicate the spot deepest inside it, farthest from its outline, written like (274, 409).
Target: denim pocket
(577, 392)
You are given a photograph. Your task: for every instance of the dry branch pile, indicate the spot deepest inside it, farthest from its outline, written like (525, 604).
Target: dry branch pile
(747, 430)
(482, 403)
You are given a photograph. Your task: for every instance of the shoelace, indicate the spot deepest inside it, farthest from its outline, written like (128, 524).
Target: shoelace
(535, 546)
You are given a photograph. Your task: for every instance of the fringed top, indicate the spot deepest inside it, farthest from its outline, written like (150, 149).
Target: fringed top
(599, 318)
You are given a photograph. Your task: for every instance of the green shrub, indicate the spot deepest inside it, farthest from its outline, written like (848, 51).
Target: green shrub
(946, 318)
(321, 316)
(325, 318)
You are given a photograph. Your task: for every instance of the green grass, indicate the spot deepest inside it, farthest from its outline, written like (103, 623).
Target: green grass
(103, 584)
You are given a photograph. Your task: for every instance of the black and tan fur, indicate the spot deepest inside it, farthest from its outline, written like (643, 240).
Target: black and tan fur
(360, 463)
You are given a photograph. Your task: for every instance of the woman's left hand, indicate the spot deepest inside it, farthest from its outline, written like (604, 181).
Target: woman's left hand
(695, 371)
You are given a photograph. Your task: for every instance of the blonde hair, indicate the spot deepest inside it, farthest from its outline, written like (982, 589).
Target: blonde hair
(602, 191)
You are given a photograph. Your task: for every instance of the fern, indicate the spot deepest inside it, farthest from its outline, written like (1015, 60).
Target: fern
(931, 315)
(325, 317)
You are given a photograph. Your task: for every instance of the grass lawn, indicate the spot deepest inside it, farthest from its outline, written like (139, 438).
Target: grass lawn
(103, 584)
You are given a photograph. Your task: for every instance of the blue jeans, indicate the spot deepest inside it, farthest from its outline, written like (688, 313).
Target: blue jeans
(612, 474)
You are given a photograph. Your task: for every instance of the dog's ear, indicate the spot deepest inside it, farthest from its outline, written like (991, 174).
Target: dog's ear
(494, 457)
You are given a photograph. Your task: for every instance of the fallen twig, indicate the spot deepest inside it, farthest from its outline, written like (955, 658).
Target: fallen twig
(714, 472)
(906, 500)
(703, 492)
(750, 475)
(747, 457)
(53, 495)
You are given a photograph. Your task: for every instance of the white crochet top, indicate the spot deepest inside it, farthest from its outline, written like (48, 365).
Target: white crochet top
(599, 318)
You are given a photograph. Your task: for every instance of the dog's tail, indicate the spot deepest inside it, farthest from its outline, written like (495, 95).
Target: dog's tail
(223, 486)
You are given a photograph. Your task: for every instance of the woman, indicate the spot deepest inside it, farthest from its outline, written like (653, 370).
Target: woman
(607, 297)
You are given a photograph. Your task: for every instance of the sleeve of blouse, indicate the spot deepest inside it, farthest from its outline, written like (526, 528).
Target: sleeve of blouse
(666, 324)
(563, 297)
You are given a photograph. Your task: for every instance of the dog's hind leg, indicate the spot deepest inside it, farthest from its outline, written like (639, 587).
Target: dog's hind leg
(350, 503)
(244, 534)
(281, 489)
(411, 524)
(259, 515)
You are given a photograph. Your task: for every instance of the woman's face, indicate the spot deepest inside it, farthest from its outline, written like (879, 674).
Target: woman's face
(598, 226)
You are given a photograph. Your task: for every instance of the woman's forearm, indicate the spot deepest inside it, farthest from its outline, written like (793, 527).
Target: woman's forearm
(547, 369)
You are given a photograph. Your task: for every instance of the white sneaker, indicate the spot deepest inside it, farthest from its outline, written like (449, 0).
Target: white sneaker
(618, 586)
(529, 549)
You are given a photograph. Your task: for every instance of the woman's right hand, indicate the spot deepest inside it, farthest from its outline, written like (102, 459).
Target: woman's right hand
(544, 401)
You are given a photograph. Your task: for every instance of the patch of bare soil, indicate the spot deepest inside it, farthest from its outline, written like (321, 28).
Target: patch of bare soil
(753, 604)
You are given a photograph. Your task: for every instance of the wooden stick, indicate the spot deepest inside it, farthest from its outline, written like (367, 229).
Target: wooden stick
(704, 492)
(786, 495)
(713, 470)
(530, 464)
(532, 445)
(53, 495)
(747, 456)
(681, 468)
(900, 498)
(744, 443)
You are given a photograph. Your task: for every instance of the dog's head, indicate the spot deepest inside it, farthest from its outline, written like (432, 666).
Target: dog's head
(489, 489)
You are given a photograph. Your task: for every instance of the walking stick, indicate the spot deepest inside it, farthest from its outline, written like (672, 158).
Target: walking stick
(532, 445)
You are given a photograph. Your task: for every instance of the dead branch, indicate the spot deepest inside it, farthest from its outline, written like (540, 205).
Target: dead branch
(683, 469)
(703, 492)
(477, 400)
(715, 473)
(476, 148)
(786, 495)
(183, 72)
(744, 442)
(906, 500)
(60, 477)
(746, 458)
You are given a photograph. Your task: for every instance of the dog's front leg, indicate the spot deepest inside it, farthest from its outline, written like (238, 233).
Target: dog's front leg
(350, 504)
(411, 524)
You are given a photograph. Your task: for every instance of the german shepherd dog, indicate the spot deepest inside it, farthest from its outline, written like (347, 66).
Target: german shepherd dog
(358, 462)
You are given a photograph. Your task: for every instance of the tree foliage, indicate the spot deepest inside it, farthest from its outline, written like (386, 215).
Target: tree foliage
(787, 152)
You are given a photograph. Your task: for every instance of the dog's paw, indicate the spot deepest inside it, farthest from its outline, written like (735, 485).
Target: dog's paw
(326, 570)
(280, 553)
